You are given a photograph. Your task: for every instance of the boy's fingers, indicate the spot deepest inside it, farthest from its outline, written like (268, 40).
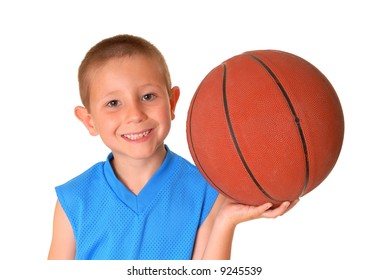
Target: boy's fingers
(274, 213)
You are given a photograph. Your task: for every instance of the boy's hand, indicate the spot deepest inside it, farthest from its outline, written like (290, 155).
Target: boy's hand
(215, 235)
(236, 213)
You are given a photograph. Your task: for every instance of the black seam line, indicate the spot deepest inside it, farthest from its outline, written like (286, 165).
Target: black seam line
(232, 133)
(193, 146)
(296, 119)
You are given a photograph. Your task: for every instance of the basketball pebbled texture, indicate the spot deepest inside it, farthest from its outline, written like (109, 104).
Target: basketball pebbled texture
(265, 126)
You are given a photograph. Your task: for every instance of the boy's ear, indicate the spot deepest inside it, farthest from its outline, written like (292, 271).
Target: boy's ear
(85, 117)
(175, 94)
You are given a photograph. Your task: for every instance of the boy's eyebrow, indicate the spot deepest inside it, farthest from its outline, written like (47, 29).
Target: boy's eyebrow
(162, 86)
(118, 91)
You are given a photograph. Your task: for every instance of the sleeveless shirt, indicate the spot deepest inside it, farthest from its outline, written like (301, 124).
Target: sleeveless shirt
(161, 222)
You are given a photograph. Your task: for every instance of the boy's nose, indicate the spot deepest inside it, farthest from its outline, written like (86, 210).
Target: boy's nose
(135, 113)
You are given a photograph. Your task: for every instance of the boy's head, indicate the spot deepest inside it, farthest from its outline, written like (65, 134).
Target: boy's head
(116, 47)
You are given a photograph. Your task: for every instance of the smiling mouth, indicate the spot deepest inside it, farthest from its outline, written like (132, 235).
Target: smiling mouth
(137, 136)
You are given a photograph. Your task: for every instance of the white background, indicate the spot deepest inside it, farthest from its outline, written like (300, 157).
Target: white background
(339, 231)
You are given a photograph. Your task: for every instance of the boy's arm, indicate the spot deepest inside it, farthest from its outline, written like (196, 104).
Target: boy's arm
(63, 245)
(214, 238)
(205, 229)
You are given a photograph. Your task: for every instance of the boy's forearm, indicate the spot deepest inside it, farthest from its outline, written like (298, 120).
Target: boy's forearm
(220, 242)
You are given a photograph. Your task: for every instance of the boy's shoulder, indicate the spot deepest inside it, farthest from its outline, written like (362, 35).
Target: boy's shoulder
(92, 175)
(181, 164)
(187, 173)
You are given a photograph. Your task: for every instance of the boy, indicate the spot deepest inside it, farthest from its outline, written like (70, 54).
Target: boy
(144, 201)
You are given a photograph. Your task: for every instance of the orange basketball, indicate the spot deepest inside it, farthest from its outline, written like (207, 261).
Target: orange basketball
(265, 126)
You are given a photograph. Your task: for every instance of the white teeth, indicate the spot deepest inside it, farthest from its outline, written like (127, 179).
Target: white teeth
(137, 136)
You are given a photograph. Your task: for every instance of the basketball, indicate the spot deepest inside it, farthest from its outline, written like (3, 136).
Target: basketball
(265, 126)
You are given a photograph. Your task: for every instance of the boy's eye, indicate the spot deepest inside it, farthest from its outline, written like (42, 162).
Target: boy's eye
(113, 103)
(148, 97)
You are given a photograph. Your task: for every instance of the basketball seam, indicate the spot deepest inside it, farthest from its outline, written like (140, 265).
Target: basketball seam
(235, 141)
(296, 119)
(196, 159)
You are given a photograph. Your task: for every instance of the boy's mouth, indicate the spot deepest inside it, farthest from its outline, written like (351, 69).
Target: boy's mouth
(137, 136)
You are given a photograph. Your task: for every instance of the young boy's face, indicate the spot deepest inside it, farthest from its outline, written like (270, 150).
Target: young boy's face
(130, 106)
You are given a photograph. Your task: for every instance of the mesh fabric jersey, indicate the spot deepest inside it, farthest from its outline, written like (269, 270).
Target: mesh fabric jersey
(161, 222)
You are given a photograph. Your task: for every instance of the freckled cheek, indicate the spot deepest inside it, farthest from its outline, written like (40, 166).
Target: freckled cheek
(165, 116)
(166, 123)
(107, 125)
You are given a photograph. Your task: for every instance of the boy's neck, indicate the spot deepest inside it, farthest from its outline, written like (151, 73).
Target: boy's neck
(135, 173)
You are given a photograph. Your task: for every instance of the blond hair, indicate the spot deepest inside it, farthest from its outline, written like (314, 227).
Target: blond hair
(116, 47)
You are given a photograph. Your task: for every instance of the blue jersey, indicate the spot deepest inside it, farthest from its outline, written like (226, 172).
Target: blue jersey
(161, 222)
